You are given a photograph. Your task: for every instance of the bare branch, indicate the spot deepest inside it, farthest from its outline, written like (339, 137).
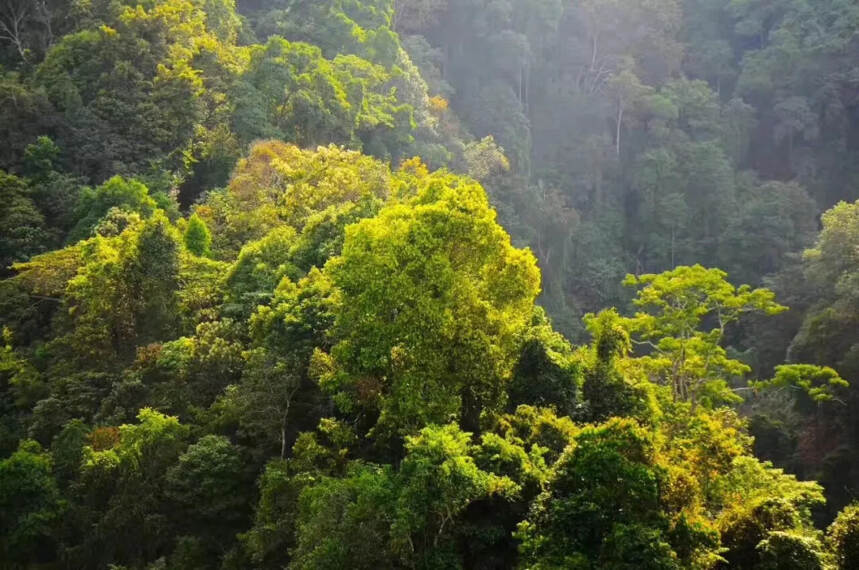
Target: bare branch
(13, 15)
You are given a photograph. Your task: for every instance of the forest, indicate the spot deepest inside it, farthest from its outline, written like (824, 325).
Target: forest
(429, 284)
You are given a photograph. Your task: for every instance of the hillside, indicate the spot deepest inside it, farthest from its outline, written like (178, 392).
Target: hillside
(477, 284)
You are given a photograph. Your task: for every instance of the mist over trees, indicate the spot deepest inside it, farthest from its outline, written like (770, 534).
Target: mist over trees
(319, 284)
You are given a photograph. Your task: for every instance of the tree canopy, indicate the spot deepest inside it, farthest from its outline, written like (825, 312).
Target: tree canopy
(429, 284)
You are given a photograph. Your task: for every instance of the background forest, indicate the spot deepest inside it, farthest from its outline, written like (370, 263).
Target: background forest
(319, 284)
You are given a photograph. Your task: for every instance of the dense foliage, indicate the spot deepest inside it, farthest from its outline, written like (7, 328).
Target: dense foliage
(319, 284)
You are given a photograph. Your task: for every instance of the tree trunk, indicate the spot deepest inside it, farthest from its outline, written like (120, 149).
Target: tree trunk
(283, 439)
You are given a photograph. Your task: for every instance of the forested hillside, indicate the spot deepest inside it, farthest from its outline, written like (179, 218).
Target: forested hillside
(429, 284)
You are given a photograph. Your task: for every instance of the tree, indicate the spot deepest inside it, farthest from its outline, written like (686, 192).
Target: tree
(16, 19)
(521, 449)
(795, 120)
(198, 240)
(585, 519)
(316, 456)
(819, 383)
(124, 486)
(547, 372)
(67, 450)
(827, 338)
(789, 551)
(627, 90)
(276, 395)
(760, 501)
(686, 312)
(764, 537)
(438, 480)
(137, 88)
(24, 115)
(208, 484)
(843, 538)
(342, 522)
(54, 191)
(31, 505)
(94, 204)
(775, 220)
(378, 517)
(434, 298)
(261, 266)
(834, 252)
(22, 231)
(153, 273)
(608, 392)
(124, 295)
(273, 530)
(290, 91)
(279, 184)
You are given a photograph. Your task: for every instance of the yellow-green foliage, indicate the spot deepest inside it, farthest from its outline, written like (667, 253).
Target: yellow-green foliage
(434, 300)
(279, 184)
